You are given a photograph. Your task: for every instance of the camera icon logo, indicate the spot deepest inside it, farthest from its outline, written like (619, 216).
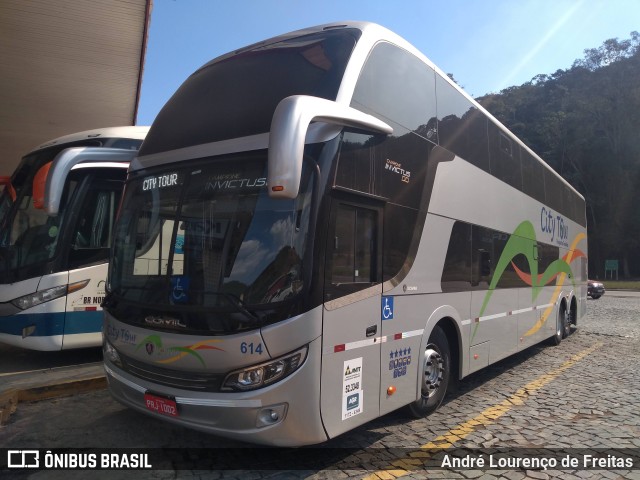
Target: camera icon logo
(23, 459)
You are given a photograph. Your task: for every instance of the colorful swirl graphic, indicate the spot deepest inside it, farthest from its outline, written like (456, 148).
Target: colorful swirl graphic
(179, 351)
(522, 242)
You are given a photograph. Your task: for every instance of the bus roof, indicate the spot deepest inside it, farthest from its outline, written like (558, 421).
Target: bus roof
(133, 132)
(373, 33)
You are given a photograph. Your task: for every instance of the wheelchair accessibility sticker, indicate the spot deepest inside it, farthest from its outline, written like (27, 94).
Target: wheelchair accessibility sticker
(180, 289)
(387, 308)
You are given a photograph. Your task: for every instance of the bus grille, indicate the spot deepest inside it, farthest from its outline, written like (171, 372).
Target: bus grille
(202, 382)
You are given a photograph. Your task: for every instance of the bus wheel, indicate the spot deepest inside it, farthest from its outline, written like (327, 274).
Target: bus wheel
(561, 321)
(434, 375)
(569, 318)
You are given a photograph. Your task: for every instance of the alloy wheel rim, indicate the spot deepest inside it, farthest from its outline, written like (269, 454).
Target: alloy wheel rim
(433, 372)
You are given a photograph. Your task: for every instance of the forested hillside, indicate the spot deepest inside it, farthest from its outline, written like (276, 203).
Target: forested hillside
(585, 123)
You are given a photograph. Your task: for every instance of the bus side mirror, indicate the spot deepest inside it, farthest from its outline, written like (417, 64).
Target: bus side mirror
(39, 185)
(289, 128)
(69, 158)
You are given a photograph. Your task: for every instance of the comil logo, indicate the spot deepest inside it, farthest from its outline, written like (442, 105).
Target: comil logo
(23, 459)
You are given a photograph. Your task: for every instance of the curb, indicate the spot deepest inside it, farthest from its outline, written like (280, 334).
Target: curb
(10, 398)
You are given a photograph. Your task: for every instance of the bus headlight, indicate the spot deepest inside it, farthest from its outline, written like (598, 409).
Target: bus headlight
(33, 299)
(258, 376)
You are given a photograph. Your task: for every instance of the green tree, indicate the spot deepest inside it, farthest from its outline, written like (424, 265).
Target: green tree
(585, 122)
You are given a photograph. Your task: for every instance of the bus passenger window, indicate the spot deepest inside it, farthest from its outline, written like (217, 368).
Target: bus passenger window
(504, 158)
(485, 263)
(482, 263)
(357, 162)
(456, 272)
(354, 248)
(93, 232)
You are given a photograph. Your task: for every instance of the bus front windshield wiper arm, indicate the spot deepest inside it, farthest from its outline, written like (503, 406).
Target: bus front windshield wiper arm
(236, 302)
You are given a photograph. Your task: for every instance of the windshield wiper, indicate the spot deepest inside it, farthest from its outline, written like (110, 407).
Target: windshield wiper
(110, 299)
(236, 302)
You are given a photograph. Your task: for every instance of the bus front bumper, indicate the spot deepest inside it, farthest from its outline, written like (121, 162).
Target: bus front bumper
(284, 414)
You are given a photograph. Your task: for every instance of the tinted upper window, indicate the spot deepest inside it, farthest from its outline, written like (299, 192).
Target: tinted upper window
(462, 128)
(533, 176)
(505, 157)
(237, 96)
(399, 88)
(393, 167)
(553, 191)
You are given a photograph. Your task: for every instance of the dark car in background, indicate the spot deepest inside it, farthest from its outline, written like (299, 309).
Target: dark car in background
(595, 289)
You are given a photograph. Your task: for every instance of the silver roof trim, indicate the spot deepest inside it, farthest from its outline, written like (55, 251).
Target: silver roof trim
(138, 133)
(82, 166)
(66, 160)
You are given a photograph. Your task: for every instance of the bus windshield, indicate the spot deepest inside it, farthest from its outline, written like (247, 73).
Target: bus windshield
(5, 202)
(207, 243)
(33, 237)
(28, 236)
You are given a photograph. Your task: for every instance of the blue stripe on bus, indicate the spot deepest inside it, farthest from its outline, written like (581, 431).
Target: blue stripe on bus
(48, 324)
(83, 322)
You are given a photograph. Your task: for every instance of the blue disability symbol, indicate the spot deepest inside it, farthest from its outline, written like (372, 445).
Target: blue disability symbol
(387, 308)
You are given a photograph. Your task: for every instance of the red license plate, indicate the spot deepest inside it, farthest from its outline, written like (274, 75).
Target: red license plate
(163, 405)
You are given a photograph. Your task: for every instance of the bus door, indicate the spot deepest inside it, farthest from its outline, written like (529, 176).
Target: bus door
(88, 256)
(351, 316)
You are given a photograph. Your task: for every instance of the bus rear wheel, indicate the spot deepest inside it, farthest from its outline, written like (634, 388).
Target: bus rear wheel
(569, 319)
(434, 375)
(561, 323)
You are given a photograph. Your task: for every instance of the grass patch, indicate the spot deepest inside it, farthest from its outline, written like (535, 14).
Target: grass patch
(621, 284)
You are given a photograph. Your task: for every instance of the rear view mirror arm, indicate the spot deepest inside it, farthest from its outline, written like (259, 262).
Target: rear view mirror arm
(289, 127)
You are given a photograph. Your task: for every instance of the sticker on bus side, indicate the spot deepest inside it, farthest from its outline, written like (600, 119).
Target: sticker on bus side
(386, 308)
(352, 394)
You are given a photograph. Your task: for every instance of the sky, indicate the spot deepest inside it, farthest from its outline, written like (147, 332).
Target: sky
(487, 45)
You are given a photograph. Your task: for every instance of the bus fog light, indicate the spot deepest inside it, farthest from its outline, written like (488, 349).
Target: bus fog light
(271, 415)
(258, 376)
(111, 353)
(28, 331)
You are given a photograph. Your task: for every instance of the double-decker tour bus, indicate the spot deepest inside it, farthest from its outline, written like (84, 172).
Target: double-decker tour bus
(56, 224)
(322, 228)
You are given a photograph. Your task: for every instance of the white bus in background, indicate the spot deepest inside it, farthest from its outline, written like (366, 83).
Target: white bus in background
(58, 210)
(343, 232)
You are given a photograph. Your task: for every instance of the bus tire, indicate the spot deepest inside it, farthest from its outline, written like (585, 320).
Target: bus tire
(434, 375)
(569, 318)
(561, 320)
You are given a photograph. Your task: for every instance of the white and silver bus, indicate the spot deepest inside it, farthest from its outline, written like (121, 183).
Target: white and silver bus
(322, 228)
(58, 210)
